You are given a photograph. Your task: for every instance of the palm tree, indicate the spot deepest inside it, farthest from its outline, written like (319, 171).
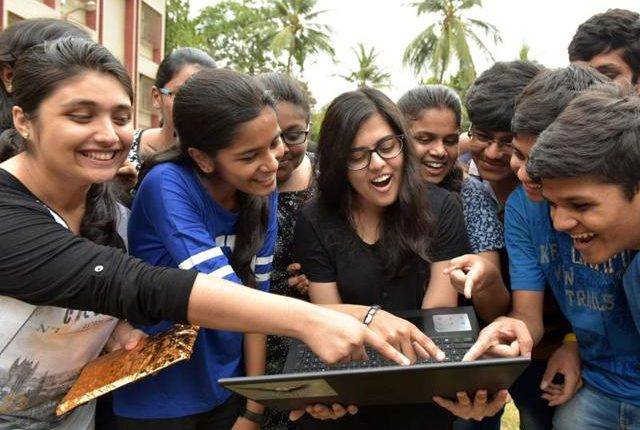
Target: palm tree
(368, 73)
(298, 34)
(523, 55)
(451, 33)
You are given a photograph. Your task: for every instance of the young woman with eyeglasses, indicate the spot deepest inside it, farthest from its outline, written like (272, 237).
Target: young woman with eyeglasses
(173, 71)
(379, 235)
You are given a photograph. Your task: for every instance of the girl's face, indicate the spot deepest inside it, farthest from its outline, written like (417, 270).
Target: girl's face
(522, 144)
(435, 136)
(250, 163)
(164, 102)
(82, 131)
(378, 184)
(294, 126)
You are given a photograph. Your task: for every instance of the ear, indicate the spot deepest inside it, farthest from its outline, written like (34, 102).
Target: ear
(20, 122)
(202, 160)
(7, 77)
(156, 97)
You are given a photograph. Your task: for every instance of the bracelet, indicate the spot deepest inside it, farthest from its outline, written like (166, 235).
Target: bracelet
(254, 417)
(370, 314)
(570, 337)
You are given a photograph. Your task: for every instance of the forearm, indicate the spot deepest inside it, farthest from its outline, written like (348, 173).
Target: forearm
(492, 302)
(255, 355)
(533, 323)
(220, 304)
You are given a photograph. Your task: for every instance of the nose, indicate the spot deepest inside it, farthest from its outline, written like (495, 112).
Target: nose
(562, 219)
(437, 149)
(493, 151)
(274, 156)
(377, 162)
(105, 133)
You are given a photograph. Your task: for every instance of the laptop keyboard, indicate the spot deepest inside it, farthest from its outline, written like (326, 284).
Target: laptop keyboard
(306, 361)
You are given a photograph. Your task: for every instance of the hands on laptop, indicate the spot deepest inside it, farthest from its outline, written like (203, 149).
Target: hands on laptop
(504, 337)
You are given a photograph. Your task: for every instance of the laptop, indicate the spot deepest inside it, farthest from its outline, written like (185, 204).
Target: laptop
(307, 380)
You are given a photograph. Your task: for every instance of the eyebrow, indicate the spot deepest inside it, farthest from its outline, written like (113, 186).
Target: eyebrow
(91, 104)
(608, 67)
(359, 148)
(258, 147)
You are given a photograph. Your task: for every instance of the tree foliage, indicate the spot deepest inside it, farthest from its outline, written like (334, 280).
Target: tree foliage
(368, 73)
(179, 29)
(450, 36)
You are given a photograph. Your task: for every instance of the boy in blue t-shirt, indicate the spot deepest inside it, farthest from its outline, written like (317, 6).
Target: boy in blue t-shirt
(588, 162)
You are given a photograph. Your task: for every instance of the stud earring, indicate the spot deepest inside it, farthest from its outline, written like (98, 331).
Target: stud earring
(9, 88)
(26, 136)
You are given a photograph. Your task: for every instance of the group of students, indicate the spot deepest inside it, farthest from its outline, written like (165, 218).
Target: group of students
(110, 234)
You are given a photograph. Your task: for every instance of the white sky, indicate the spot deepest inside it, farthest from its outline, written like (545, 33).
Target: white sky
(547, 26)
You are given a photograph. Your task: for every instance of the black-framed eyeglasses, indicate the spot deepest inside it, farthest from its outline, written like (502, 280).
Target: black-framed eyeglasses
(295, 137)
(387, 148)
(166, 91)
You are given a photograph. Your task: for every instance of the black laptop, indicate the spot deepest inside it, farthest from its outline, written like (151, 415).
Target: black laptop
(306, 380)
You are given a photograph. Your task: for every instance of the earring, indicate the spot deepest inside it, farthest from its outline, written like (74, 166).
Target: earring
(26, 136)
(9, 88)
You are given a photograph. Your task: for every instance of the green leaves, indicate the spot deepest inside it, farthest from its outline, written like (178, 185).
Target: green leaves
(368, 73)
(448, 39)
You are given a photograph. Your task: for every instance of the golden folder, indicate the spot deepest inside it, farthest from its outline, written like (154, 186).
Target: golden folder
(121, 367)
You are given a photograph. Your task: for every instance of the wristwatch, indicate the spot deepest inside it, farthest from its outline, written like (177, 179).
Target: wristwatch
(254, 417)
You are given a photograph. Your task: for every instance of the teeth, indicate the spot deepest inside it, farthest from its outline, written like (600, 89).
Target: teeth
(434, 164)
(583, 236)
(534, 185)
(380, 179)
(102, 156)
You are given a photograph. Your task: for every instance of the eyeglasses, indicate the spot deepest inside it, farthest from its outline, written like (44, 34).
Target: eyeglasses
(387, 148)
(295, 137)
(484, 140)
(166, 91)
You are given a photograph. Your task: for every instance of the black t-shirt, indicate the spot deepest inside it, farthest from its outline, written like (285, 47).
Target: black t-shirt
(329, 250)
(43, 263)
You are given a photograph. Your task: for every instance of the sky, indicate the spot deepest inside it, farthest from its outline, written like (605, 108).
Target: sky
(547, 26)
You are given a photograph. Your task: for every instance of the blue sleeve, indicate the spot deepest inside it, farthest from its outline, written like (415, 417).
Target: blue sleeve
(524, 267)
(264, 258)
(171, 205)
(484, 228)
(631, 283)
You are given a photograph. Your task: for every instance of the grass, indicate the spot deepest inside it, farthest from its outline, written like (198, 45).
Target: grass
(510, 418)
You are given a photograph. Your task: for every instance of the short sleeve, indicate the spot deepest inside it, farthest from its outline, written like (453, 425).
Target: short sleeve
(167, 202)
(451, 236)
(310, 252)
(524, 268)
(263, 261)
(485, 231)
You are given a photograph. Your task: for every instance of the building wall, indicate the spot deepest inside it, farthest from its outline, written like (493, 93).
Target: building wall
(133, 30)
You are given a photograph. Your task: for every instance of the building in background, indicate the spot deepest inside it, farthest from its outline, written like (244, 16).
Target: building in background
(133, 30)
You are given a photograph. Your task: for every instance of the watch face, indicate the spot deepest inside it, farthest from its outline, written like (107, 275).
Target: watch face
(451, 322)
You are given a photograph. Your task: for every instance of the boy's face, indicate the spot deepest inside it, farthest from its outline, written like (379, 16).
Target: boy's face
(491, 151)
(598, 216)
(612, 65)
(522, 144)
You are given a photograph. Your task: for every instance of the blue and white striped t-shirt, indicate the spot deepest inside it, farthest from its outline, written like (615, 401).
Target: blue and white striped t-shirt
(175, 223)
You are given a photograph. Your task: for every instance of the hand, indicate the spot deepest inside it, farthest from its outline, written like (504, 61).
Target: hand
(297, 280)
(323, 412)
(244, 424)
(477, 410)
(337, 336)
(127, 175)
(124, 336)
(564, 361)
(405, 337)
(471, 274)
(504, 337)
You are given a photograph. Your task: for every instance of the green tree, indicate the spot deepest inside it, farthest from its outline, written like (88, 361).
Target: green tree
(179, 29)
(239, 35)
(450, 35)
(299, 35)
(523, 55)
(368, 73)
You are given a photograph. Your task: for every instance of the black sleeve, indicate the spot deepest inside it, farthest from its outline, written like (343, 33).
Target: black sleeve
(451, 233)
(309, 251)
(43, 263)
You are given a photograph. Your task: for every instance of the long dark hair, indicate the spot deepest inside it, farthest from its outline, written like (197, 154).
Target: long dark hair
(284, 88)
(415, 101)
(406, 224)
(173, 63)
(208, 111)
(37, 74)
(19, 37)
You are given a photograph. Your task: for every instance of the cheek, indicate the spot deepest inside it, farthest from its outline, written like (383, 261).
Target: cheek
(452, 152)
(420, 150)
